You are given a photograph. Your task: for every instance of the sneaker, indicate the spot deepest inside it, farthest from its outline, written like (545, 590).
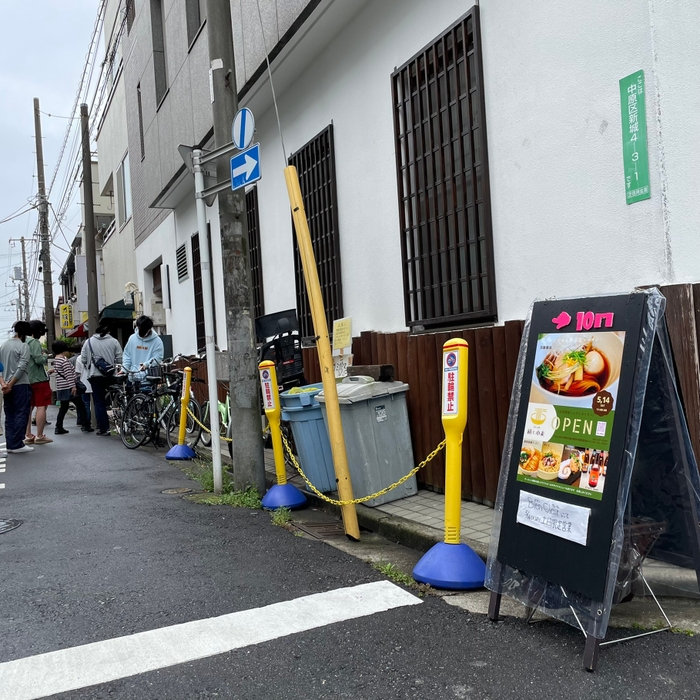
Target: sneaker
(87, 429)
(20, 450)
(29, 440)
(102, 433)
(43, 440)
(60, 431)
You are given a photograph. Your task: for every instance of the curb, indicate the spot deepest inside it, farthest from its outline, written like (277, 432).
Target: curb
(393, 527)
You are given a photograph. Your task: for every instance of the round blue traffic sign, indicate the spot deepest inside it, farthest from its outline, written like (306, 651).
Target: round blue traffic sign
(242, 128)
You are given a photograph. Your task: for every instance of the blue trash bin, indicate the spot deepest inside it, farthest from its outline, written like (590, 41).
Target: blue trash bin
(310, 435)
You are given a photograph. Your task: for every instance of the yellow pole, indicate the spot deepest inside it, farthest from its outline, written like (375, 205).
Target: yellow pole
(325, 356)
(455, 364)
(184, 401)
(271, 402)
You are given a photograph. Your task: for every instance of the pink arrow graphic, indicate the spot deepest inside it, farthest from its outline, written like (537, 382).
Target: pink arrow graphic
(562, 320)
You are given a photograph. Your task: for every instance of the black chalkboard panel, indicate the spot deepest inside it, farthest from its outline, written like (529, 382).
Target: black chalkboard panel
(580, 373)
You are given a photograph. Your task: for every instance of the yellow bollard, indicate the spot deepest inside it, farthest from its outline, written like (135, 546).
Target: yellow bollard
(282, 495)
(325, 356)
(182, 451)
(455, 364)
(184, 401)
(451, 564)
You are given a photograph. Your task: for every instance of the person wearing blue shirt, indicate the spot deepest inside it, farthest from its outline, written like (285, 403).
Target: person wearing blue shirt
(143, 349)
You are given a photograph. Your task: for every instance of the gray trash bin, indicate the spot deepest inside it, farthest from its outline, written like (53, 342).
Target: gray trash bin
(377, 436)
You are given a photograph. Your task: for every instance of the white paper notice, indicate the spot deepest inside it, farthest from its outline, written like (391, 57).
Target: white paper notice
(555, 517)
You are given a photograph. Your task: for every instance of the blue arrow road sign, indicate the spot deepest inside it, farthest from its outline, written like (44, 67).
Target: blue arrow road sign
(245, 167)
(242, 128)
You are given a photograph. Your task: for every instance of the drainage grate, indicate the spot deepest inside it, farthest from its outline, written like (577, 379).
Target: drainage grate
(7, 525)
(322, 531)
(176, 491)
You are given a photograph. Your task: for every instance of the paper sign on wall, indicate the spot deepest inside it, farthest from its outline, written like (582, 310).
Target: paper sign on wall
(557, 518)
(340, 365)
(342, 335)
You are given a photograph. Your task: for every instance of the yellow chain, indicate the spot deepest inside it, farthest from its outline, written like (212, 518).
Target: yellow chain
(204, 427)
(336, 502)
(323, 496)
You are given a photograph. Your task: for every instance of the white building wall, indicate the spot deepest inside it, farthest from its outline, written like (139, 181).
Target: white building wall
(160, 247)
(119, 262)
(561, 223)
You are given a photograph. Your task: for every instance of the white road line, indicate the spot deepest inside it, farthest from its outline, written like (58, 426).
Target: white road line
(100, 662)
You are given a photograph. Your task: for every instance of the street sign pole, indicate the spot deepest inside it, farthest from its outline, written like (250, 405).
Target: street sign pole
(197, 166)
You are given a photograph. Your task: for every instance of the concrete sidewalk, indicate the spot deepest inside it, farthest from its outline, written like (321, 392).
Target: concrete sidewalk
(418, 522)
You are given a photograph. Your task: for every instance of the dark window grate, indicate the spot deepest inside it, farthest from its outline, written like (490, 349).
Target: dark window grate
(157, 280)
(315, 164)
(181, 260)
(443, 181)
(254, 252)
(197, 280)
(130, 14)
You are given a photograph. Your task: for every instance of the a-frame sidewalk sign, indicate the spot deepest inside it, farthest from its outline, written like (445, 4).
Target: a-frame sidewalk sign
(598, 471)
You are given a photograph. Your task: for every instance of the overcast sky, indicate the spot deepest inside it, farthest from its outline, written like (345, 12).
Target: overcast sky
(42, 53)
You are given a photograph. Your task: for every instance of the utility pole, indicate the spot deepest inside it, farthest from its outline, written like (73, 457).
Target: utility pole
(44, 230)
(25, 281)
(20, 313)
(89, 223)
(248, 461)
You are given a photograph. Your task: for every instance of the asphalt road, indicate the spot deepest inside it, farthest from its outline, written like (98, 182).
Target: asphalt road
(102, 553)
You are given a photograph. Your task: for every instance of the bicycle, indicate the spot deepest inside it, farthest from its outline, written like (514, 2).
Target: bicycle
(157, 407)
(224, 419)
(119, 393)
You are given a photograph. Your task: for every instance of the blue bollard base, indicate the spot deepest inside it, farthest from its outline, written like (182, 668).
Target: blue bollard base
(453, 567)
(283, 496)
(180, 452)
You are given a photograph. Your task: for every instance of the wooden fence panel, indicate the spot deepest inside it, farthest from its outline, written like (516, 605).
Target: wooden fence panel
(414, 396)
(500, 377)
(417, 360)
(488, 412)
(683, 333)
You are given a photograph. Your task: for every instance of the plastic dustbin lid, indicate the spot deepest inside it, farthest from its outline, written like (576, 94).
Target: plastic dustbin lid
(300, 399)
(355, 389)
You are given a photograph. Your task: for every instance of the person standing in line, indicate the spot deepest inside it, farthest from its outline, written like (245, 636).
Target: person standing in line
(66, 387)
(39, 382)
(14, 356)
(143, 349)
(82, 373)
(101, 347)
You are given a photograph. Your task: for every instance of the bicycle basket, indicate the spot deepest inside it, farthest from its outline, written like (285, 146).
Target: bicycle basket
(155, 372)
(288, 357)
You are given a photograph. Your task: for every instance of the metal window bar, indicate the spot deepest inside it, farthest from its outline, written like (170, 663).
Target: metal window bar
(442, 173)
(198, 291)
(315, 164)
(254, 251)
(181, 261)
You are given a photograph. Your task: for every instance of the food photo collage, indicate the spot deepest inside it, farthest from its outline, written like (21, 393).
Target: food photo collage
(578, 467)
(571, 410)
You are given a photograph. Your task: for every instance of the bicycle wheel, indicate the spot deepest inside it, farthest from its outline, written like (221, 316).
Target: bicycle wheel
(192, 428)
(136, 422)
(119, 402)
(206, 437)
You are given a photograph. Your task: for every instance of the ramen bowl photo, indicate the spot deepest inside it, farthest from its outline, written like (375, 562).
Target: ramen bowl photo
(548, 467)
(571, 368)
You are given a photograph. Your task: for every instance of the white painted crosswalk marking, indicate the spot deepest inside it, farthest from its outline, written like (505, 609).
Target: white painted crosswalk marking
(79, 667)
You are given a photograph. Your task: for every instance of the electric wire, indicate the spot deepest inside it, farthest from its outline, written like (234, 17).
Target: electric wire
(272, 86)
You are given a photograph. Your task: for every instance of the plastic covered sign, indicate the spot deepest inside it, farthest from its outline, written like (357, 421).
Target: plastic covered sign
(597, 471)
